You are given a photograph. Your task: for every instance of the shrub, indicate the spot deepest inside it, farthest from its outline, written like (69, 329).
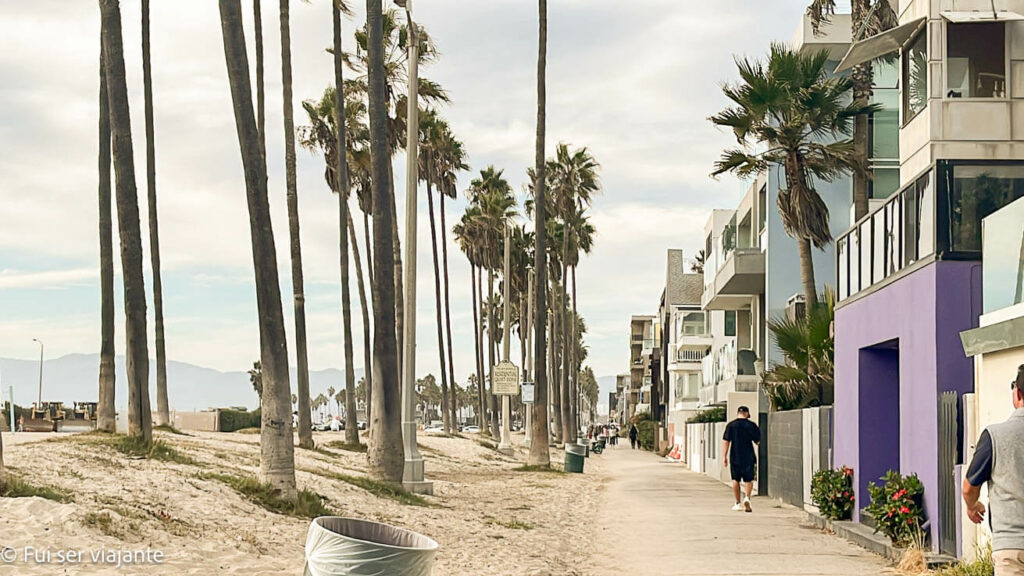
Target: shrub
(896, 507)
(713, 414)
(232, 420)
(832, 493)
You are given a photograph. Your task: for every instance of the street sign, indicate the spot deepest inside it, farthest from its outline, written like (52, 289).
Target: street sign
(527, 393)
(506, 379)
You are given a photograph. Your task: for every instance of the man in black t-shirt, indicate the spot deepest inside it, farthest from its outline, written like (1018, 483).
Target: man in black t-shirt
(740, 439)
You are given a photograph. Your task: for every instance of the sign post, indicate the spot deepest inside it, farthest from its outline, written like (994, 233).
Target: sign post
(527, 392)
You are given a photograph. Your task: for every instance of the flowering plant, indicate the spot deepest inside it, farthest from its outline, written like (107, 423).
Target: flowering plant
(896, 507)
(832, 492)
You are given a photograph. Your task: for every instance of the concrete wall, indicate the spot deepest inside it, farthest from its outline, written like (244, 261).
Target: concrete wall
(786, 461)
(921, 313)
(207, 421)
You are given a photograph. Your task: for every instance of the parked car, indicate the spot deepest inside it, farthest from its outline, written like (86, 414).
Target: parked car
(361, 425)
(433, 429)
(472, 429)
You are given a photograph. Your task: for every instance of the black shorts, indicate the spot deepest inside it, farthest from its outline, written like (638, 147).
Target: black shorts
(742, 472)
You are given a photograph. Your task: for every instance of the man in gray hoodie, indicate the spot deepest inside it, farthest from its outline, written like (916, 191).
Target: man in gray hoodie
(999, 460)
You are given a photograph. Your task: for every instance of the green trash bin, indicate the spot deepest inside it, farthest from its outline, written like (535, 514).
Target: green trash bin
(574, 458)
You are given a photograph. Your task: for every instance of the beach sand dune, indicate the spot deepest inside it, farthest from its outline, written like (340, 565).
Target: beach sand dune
(488, 518)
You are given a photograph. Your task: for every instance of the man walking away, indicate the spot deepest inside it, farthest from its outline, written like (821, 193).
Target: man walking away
(741, 436)
(999, 460)
(632, 435)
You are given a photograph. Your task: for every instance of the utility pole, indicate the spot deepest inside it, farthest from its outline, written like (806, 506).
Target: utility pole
(412, 477)
(505, 445)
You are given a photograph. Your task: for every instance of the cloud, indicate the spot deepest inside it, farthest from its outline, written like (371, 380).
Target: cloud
(633, 81)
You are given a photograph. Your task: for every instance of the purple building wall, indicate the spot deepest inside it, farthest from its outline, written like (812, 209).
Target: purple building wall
(908, 329)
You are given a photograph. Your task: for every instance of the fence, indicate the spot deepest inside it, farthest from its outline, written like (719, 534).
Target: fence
(799, 444)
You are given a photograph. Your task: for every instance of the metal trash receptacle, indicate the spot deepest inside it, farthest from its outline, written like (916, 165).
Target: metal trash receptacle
(337, 546)
(574, 458)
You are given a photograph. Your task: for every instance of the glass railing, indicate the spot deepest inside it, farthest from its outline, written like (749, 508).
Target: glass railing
(939, 213)
(1003, 257)
(727, 362)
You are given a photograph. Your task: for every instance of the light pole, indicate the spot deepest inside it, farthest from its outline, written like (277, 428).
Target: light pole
(505, 446)
(528, 369)
(39, 404)
(412, 476)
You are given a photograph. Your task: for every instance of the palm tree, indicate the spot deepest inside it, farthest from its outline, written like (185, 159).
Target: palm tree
(139, 415)
(453, 160)
(298, 289)
(787, 108)
(540, 436)
(697, 266)
(867, 18)
(351, 427)
(277, 457)
(582, 232)
(395, 76)
(432, 133)
(322, 134)
(163, 416)
(469, 234)
(261, 114)
(105, 411)
(385, 454)
(807, 377)
(493, 194)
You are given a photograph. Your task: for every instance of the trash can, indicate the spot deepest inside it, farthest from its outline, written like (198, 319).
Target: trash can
(337, 546)
(586, 448)
(574, 458)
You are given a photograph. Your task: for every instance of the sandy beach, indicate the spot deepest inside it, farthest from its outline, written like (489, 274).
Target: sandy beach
(488, 518)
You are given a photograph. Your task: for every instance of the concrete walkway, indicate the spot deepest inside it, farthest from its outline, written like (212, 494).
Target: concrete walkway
(658, 519)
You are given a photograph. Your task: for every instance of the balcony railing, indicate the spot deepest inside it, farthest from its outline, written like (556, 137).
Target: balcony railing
(726, 363)
(939, 213)
(1003, 255)
(691, 355)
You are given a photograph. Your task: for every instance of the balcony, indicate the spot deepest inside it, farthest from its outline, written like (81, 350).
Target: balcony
(726, 370)
(938, 216)
(740, 276)
(693, 349)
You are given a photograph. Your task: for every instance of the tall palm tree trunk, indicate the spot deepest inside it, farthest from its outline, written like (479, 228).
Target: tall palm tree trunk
(261, 100)
(568, 430)
(106, 419)
(129, 229)
(295, 244)
(492, 350)
(807, 272)
(539, 435)
(448, 318)
(396, 246)
(277, 457)
(351, 422)
(368, 369)
(366, 313)
(861, 76)
(479, 328)
(556, 364)
(445, 416)
(369, 248)
(575, 360)
(386, 454)
(163, 414)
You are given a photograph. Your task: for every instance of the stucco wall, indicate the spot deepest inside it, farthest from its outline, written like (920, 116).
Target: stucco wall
(923, 313)
(785, 465)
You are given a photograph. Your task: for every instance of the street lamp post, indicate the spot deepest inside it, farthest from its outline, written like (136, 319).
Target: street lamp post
(39, 403)
(505, 446)
(412, 476)
(528, 369)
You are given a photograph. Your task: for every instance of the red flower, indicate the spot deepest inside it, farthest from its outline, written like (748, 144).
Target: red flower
(847, 471)
(846, 494)
(904, 510)
(890, 513)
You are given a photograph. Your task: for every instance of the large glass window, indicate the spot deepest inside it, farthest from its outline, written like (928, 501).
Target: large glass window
(884, 181)
(976, 60)
(1003, 272)
(976, 192)
(925, 216)
(915, 76)
(730, 322)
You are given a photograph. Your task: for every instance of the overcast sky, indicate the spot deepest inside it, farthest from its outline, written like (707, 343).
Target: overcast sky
(634, 81)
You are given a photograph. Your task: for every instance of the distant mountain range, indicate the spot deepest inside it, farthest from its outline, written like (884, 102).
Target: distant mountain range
(75, 377)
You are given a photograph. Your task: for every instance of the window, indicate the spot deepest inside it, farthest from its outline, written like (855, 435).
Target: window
(976, 60)
(976, 192)
(915, 76)
(693, 323)
(730, 322)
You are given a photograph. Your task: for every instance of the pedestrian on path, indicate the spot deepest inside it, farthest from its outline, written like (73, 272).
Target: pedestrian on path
(740, 439)
(632, 435)
(1005, 484)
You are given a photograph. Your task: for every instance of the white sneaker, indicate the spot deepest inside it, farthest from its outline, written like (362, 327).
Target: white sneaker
(746, 505)
(737, 507)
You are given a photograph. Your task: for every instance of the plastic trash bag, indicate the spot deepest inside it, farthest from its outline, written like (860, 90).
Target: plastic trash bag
(337, 546)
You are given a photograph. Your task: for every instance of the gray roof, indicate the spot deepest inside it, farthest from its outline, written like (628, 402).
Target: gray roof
(681, 287)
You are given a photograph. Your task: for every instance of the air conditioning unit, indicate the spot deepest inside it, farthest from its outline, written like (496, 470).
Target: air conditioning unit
(796, 307)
